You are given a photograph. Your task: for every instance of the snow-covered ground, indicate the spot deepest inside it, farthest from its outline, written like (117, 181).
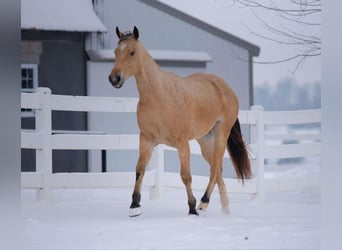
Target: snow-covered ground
(98, 219)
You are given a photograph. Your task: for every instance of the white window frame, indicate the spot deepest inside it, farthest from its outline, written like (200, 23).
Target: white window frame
(34, 67)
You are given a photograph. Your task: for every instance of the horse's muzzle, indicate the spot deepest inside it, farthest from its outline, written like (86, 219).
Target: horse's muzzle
(117, 81)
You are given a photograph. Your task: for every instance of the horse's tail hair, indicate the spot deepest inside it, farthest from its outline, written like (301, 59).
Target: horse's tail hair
(238, 153)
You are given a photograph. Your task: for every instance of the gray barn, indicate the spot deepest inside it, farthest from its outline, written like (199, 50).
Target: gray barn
(53, 55)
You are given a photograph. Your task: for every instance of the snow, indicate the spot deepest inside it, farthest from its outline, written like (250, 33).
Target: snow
(221, 14)
(174, 55)
(98, 219)
(61, 15)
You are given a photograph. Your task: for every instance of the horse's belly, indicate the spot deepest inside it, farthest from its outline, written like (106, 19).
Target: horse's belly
(164, 130)
(171, 128)
(199, 130)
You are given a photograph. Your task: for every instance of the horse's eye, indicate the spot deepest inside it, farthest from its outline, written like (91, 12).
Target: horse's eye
(132, 53)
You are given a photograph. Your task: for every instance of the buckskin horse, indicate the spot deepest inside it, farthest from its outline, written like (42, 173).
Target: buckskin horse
(173, 110)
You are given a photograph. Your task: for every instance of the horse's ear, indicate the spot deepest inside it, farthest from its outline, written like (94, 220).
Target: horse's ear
(118, 33)
(136, 33)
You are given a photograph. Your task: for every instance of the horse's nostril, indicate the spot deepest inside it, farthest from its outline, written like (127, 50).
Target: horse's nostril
(118, 78)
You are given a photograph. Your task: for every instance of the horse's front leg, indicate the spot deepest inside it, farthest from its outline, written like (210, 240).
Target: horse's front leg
(145, 152)
(184, 156)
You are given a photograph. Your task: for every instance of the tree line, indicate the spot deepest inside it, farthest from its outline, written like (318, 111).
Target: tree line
(287, 94)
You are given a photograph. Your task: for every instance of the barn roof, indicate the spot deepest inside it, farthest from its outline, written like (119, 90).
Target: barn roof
(254, 50)
(158, 55)
(61, 15)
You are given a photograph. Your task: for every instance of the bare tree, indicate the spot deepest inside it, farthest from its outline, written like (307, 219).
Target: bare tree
(304, 18)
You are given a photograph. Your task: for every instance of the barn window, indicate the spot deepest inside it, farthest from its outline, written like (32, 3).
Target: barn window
(29, 83)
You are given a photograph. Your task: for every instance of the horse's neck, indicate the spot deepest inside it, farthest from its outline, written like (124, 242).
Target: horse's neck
(148, 80)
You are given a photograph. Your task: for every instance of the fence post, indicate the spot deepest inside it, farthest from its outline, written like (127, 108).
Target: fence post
(157, 165)
(258, 140)
(44, 154)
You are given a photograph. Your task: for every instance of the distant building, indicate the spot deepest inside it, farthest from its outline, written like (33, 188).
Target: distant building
(78, 62)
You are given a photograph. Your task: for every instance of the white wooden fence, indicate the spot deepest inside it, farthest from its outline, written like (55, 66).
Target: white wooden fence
(44, 141)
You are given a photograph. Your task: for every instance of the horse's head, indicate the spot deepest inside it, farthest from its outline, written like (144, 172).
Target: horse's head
(127, 57)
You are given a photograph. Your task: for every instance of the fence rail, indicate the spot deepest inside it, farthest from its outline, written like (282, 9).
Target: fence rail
(43, 140)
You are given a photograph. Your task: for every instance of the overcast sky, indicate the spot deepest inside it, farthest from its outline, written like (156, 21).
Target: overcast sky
(234, 19)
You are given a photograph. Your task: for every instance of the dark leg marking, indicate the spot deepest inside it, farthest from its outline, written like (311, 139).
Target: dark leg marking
(192, 208)
(136, 195)
(137, 175)
(135, 200)
(205, 198)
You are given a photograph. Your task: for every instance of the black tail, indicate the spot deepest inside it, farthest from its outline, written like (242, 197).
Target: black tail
(238, 153)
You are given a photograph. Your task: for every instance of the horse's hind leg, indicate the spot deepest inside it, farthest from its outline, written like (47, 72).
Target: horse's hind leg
(212, 148)
(223, 194)
(145, 153)
(184, 156)
(206, 143)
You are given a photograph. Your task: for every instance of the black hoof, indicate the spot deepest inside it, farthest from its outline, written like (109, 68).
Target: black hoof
(193, 211)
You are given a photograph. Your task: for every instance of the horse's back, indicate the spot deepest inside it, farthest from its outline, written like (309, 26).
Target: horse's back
(212, 86)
